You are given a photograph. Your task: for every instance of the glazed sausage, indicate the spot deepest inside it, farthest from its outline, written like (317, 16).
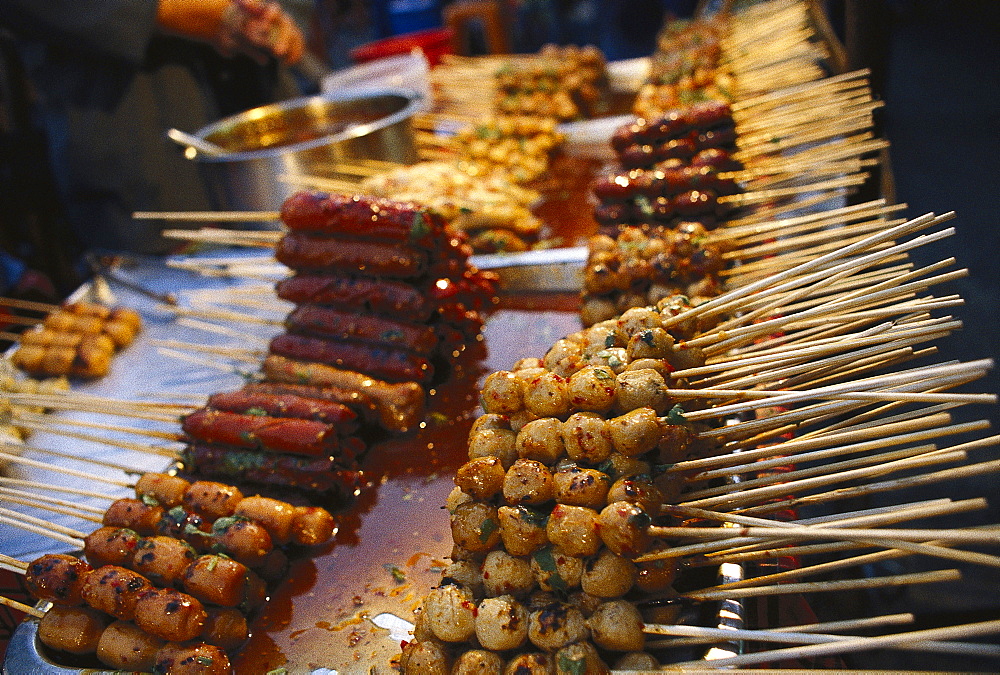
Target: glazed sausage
(286, 405)
(133, 514)
(349, 325)
(167, 490)
(379, 296)
(393, 365)
(301, 251)
(400, 406)
(357, 401)
(314, 474)
(273, 434)
(111, 546)
(114, 590)
(192, 659)
(361, 216)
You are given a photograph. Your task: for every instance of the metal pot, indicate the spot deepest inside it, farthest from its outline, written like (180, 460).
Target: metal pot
(305, 136)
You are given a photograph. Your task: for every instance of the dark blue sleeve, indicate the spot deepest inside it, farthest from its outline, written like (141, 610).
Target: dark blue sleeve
(119, 29)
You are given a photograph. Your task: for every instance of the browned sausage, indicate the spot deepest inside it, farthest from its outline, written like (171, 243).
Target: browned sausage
(381, 296)
(393, 365)
(286, 405)
(274, 434)
(301, 251)
(349, 325)
(362, 216)
(400, 406)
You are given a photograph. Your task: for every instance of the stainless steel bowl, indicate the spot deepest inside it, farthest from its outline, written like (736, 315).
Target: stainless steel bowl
(307, 136)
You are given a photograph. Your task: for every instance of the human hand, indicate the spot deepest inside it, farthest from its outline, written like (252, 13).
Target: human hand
(260, 28)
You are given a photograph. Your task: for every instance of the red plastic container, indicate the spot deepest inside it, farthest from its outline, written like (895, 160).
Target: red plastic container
(435, 43)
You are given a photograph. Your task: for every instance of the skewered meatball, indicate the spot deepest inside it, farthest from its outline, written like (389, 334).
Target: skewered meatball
(475, 526)
(522, 529)
(527, 482)
(592, 388)
(425, 657)
(533, 663)
(617, 625)
(505, 574)
(541, 440)
(547, 395)
(586, 438)
(608, 575)
(556, 626)
(642, 388)
(58, 578)
(450, 613)
(581, 657)
(574, 530)
(501, 393)
(636, 432)
(499, 443)
(75, 630)
(127, 647)
(501, 623)
(481, 478)
(581, 487)
(477, 662)
(556, 571)
(624, 528)
(638, 490)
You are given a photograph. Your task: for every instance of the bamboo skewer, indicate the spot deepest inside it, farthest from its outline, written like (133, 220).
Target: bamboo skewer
(13, 564)
(54, 488)
(794, 637)
(21, 607)
(854, 645)
(39, 526)
(16, 459)
(32, 499)
(825, 627)
(939, 576)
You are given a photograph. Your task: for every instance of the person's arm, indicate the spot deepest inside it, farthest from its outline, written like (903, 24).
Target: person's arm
(120, 29)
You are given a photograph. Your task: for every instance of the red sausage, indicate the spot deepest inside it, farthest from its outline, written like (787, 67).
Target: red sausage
(358, 401)
(349, 325)
(362, 216)
(305, 473)
(375, 295)
(275, 434)
(392, 365)
(286, 405)
(303, 251)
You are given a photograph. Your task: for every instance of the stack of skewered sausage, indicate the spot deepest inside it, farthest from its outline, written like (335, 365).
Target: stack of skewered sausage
(385, 296)
(565, 473)
(77, 339)
(279, 434)
(670, 168)
(185, 562)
